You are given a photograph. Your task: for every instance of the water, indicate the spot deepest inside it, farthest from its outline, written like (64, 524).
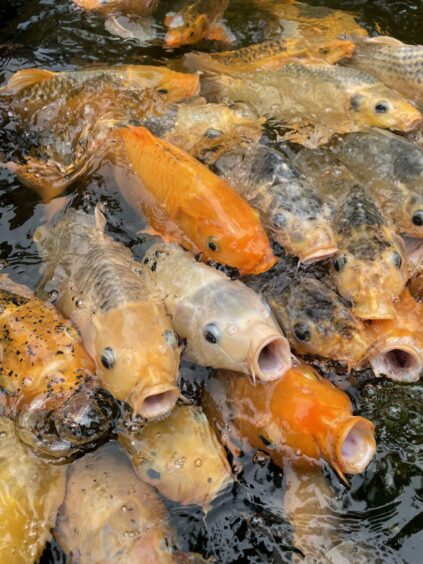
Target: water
(378, 519)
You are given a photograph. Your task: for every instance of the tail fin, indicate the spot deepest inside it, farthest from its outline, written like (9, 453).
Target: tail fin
(24, 78)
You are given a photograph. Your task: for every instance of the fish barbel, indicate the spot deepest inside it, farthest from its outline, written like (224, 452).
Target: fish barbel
(271, 54)
(31, 491)
(197, 20)
(48, 379)
(126, 521)
(291, 209)
(397, 352)
(317, 321)
(180, 456)
(397, 64)
(370, 270)
(332, 98)
(185, 202)
(225, 324)
(138, 7)
(297, 420)
(96, 283)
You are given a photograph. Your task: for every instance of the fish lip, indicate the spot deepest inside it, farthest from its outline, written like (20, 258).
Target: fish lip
(385, 311)
(413, 124)
(355, 444)
(260, 267)
(154, 401)
(270, 357)
(383, 359)
(319, 254)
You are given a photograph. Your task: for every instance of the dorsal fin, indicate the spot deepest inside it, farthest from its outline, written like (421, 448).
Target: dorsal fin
(384, 40)
(24, 78)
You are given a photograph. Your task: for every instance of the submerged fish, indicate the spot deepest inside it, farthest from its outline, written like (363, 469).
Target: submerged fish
(225, 324)
(47, 379)
(329, 98)
(185, 202)
(395, 63)
(271, 54)
(290, 207)
(110, 515)
(297, 420)
(31, 491)
(180, 456)
(139, 7)
(392, 169)
(197, 20)
(397, 352)
(317, 321)
(370, 270)
(96, 283)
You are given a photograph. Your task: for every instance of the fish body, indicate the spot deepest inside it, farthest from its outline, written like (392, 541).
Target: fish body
(397, 352)
(180, 456)
(96, 283)
(197, 20)
(184, 201)
(31, 491)
(48, 379)
(337, 99)
(392, 169)
(317, 321)
(291, 209)
(298, 420)
(414, 251)
(225, 324)
(126, 520)
(271, 54)
(370, 270)
(398, 65)
(138, 7)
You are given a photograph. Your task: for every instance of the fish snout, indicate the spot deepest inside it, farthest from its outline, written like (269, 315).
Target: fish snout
(413, 123)
(373, 306)
(269, 354)
(399, 359)
(151, 398)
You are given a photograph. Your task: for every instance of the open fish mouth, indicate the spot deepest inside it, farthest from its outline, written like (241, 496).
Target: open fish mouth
(156, 401)
(398, 361)
(413, 124)
(270, 359)
(319, 254)
(357, 445)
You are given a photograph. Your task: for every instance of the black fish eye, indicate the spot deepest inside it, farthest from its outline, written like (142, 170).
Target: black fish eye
(302, 332)
(211, 333)
(339, 263)
(418, 218)
(381, 107)
(212, 244)
(213, 133)
(324, 51)
(171, 339)
(279, 220)
(396, 259)
(163, 91)
(107, 357)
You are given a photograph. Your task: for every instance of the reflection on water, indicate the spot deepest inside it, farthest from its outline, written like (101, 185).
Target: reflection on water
(379, 518)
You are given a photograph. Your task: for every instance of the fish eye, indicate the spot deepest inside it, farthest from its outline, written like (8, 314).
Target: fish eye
(381, 107)
(212, 244)
(324, 51)
(417, 218)
(396, 259)
(339, 263)
(108, 357)
(213, 133)
(302, 332)
(163, 91)
(279, 220)
(171, 339)
(211, 333)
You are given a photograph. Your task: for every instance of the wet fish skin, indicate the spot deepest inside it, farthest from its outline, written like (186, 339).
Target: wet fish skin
(397, 64)
(31, 491)
(291, 209)
(317, 321)
(224, 323)
(186, 203)
(97, 284)
(180, 456)
(298, 420)
(138, 7)
(270, 54)
(127, 521)
(370, 269)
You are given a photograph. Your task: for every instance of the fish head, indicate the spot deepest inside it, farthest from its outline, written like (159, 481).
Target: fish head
(370, 277)
(397, 355)
(168, 85)
(227, 325)
(317, 321)
(186, 29)
(410, 215)
(137, 356)
(378, 106)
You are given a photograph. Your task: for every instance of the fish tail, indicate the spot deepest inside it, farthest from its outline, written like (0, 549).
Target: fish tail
(25, 78)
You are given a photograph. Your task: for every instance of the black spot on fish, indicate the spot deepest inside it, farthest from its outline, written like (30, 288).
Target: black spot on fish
(265, 441)
(153, 474)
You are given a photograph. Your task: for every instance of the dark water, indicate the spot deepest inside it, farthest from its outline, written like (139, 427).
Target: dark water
(379, 518)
